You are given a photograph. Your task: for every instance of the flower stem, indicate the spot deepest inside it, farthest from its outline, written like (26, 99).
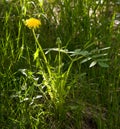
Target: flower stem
(42, 52)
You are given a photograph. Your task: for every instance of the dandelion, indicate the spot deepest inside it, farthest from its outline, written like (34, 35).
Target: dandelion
(32, 23)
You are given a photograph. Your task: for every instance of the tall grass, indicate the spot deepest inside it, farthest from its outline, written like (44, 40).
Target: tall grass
(64, 74)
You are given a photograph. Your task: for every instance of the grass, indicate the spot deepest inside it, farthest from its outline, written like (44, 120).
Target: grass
(65, 74)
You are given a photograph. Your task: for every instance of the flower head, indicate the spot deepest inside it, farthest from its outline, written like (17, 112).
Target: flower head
(32, 23)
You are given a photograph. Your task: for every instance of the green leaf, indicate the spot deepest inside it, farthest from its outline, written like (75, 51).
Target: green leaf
(86, 59)
(57, 50)
(99, 55)
(36, 54)
(93, 64)
(79, 52)
(102, 64)
(103, 60)
(105, 48)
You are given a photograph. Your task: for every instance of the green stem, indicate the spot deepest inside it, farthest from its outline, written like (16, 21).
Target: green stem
(42, 52)
(59, 69)
(70, 66)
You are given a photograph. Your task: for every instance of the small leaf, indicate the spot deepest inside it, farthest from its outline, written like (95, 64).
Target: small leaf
(86, 59)
(57, 50)
(93, 64)
(23, 71)
(103, 60)
(102, 64)
(79, 52)
(36, 54)
(106, 48)
(84, 53)
(99, 55)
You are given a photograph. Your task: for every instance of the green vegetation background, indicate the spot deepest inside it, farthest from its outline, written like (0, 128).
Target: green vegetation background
(89, 31)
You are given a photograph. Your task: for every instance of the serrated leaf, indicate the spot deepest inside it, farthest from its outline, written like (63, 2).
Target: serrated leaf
(102, 64)
(36, 54)
(93, 64)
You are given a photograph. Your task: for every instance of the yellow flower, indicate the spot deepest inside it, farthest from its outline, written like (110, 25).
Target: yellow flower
(32, 23)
